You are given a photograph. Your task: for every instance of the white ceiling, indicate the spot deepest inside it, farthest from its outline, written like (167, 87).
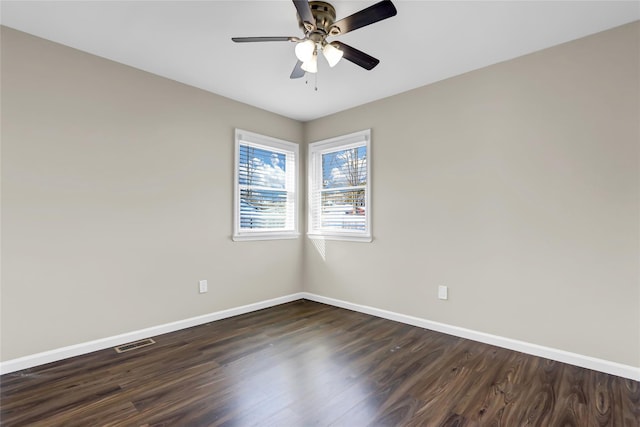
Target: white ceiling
(190, 41)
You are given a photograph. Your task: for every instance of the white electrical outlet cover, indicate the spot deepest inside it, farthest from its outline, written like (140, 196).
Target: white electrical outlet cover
(442, 292)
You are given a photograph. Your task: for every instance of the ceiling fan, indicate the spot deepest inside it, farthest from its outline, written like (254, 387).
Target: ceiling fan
(317, 19)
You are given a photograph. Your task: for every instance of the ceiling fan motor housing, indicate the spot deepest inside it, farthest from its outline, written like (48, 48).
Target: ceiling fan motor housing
(324, 15)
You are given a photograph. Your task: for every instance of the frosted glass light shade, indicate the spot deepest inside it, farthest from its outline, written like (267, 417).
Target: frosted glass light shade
(332, 54)
(305, 50)
(311, 66)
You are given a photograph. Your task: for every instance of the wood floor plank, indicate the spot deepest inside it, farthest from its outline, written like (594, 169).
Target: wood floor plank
(310, 364)
(629, 402)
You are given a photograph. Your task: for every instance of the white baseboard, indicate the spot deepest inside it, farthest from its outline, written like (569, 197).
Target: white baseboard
(588, 362)
(575, 359)
(100, 344)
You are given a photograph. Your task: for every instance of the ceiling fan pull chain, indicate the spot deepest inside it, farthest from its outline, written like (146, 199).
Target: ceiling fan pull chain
(316, 86)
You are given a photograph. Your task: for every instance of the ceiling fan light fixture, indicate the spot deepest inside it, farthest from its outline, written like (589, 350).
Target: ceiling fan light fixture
(311, 66)
(332, 54)
(305, 50)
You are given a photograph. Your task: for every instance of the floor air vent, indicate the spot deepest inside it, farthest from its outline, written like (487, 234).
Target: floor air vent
(133, 345)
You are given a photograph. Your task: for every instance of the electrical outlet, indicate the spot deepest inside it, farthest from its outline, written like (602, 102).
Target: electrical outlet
(443, 292)
(204, 287)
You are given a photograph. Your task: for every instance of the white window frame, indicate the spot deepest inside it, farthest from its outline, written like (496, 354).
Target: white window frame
(290, 149)
(315, 179)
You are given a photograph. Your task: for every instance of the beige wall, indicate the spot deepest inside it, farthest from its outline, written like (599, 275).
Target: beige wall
(116, 190)
(518, 187)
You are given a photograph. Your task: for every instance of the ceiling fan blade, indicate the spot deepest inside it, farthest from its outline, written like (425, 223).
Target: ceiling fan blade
(356, 56)
(379, 11)
(297, 71)
(264, 39)
(304, 10)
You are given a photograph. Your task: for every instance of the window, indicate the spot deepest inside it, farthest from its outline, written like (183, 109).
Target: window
(339, 187)
(265, 202)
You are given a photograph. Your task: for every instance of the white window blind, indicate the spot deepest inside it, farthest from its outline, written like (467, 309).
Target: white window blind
(339, 187)
(265, 187)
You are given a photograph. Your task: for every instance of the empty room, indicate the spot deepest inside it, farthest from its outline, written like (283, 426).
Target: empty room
(343, 213)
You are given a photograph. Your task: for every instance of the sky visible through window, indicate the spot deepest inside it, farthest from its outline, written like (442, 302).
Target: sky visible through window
(344, 168)
(262, 168)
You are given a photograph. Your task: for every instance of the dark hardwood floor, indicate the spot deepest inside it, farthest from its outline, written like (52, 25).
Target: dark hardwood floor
(309, 364)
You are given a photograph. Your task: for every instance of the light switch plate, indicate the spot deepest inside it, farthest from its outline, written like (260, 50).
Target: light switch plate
(204, 287)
